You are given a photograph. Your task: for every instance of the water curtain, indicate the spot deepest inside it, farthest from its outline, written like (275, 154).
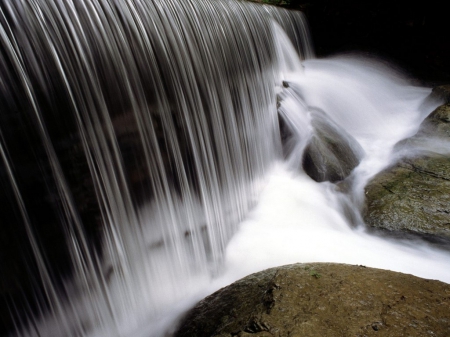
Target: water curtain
(133, 136)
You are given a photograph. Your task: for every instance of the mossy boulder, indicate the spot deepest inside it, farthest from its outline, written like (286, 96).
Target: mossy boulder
(323, 299)
(331, 153)
(414, 194)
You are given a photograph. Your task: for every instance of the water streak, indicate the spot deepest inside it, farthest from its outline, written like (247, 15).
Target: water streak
(146, 127)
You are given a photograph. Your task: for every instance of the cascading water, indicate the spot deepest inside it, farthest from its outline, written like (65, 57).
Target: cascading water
(142, 128)
(135, 136)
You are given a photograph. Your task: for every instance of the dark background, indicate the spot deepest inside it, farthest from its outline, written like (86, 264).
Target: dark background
(411, 35)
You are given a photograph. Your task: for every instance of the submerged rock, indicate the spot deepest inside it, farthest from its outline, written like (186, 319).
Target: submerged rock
(414, 194)
(331, 153)
(323, 299)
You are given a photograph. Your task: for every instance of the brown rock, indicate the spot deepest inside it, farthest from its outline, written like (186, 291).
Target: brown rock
(323, 299)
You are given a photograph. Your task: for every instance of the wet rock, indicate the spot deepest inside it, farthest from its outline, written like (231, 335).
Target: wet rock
(436, 125)
(323, 299)
(331, 153)
(442, 92)
(414, 194)
(438, 122)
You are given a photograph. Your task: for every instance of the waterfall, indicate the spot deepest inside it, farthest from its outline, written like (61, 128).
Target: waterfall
(134, 135)
(143, 153)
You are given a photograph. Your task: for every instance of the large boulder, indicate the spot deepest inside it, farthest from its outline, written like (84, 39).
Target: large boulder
(414, 194)
(323, 299)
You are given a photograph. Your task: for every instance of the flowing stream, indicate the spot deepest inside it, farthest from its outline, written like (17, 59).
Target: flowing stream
(142, 165)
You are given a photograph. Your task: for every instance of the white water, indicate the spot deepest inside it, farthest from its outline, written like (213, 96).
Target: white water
(160, 257)
(299, 220)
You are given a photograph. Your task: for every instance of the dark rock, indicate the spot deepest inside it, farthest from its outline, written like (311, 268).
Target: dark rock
(442, 92)
(344, 301)
(331, 153)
